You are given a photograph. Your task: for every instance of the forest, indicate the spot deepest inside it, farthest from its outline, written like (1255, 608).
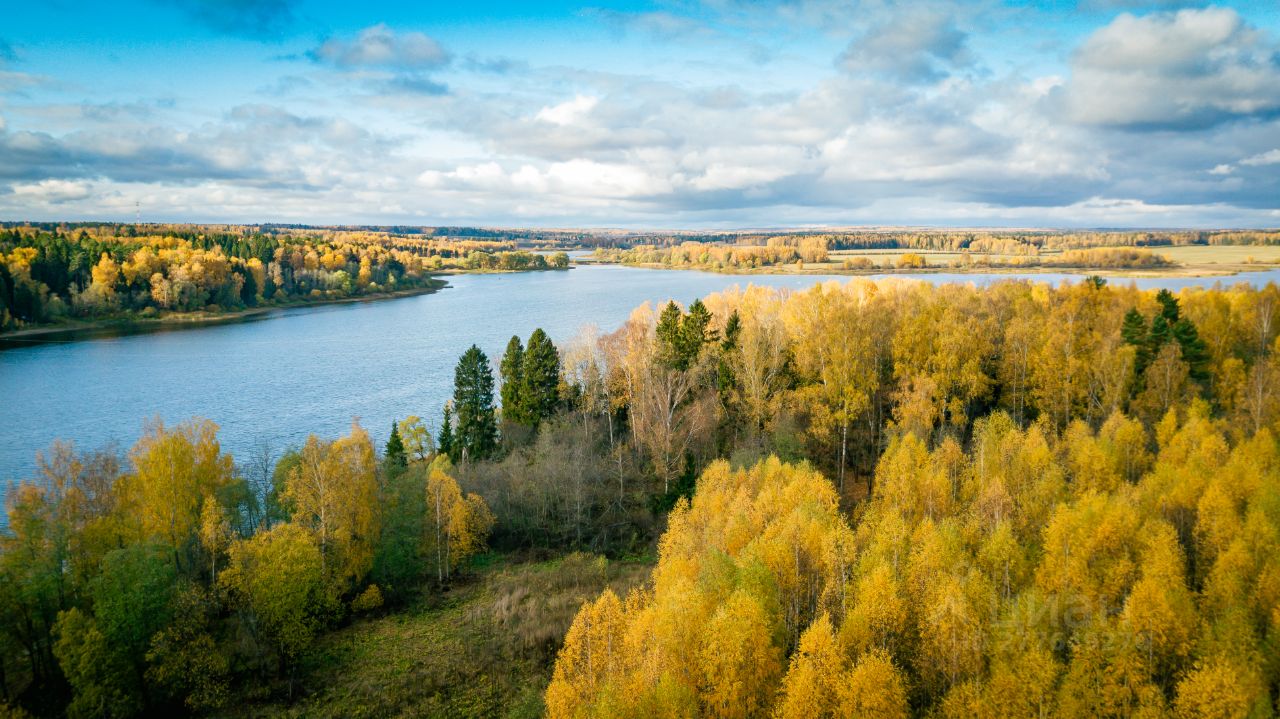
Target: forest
(50, 274)
(881, 498)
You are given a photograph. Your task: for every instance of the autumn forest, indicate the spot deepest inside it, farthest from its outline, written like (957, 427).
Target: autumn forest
(640, 359)
(875, 498)
(56, 273)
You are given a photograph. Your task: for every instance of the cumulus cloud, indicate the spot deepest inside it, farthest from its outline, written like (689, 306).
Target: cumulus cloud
(379, 46)
(913, 45)
(257, 145)
(584, 179)
(911, 122)
(568, 112)
(52, 191)
(1191, 69)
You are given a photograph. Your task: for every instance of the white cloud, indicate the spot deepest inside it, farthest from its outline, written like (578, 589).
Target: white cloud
(569, 112)
(575, 179)
(914, 122)
(1189, 69)
(380, 46)
(916, 45)
(1271, 157)
(53, 191)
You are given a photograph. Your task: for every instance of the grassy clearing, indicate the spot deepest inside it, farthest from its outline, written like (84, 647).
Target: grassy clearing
(1221, 254)
(483, 649)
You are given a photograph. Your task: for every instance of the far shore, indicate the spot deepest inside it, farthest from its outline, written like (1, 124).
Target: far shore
(1180, 270)
(85, 328)
(182, 320)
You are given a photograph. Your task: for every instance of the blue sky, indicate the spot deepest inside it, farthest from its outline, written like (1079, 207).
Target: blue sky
(686, 113)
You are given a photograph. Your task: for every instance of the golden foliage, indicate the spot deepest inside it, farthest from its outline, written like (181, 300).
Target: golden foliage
(334, 494)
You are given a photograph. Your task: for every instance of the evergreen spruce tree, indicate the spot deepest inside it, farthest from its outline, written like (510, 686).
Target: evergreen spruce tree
(540, 389)
(514, 404)
(694, 332)
(1168, 307)
(1194, 351)
(476, 435)
(445, 443)
(724, 371)
(394, 456)
(1134, 332)
(249, 290)
(681, 336)
(1159, 336)
(669, 336)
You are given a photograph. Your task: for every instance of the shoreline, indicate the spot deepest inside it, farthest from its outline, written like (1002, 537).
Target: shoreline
(86, 329)
(1145, 272)
(193, 320)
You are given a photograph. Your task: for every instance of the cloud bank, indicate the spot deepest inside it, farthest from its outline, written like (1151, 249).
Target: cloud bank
(891, 114)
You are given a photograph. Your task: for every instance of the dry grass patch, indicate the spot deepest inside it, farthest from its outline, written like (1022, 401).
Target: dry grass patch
(483, 649)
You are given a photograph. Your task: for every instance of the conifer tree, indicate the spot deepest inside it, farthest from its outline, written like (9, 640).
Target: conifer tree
(724, 370)
(1194, 351)
(249, 290)
(1168, 306)
(1134, 332)
(514, 408)
(394, 455)
(477, 430)
(694, 332)
(669, 336)
(1159, 335)
(444, 444)
(540, 386)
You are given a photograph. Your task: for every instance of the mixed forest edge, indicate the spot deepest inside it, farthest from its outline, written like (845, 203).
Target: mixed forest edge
(83, 277)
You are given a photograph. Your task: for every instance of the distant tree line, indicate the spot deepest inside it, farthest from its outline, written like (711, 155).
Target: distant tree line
(96, 272)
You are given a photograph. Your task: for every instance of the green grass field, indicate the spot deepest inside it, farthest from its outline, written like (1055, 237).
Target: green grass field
(485, 648)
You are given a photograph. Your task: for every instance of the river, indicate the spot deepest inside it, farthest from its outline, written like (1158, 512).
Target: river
(277, 378)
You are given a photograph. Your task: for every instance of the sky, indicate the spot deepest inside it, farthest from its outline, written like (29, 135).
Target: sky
(699, 114)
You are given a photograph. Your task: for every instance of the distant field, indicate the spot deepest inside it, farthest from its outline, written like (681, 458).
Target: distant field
(1220, 254)
(1182, 254)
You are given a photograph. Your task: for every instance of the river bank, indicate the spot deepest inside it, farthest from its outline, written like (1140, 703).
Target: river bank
(835, 269)
(1181, 261)
(83, 329)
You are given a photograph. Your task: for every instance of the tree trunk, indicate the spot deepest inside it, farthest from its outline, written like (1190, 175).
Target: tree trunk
(844, 444)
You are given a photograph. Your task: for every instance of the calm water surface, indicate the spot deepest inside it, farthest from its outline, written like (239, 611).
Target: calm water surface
(309, 370)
